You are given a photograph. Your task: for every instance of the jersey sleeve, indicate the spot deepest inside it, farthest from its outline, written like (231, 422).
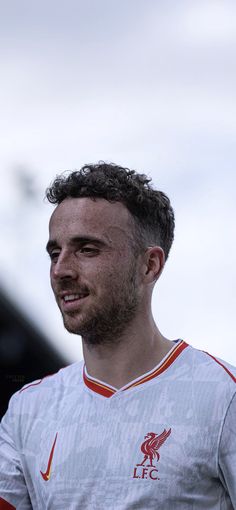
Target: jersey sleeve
(227, 452)
(13, 490)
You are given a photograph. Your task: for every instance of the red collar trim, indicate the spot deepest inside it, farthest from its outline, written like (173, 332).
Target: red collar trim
(107, 391)
(166, 363)
(98, 387)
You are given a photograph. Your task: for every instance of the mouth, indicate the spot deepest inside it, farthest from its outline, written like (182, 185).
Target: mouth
(70, 302)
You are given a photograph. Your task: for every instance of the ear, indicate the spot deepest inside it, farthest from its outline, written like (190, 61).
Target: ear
(154, 263)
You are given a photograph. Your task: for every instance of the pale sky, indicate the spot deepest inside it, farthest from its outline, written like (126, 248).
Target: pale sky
(147, 84)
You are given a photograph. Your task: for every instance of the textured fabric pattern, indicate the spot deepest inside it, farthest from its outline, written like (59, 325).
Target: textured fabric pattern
(169, 442)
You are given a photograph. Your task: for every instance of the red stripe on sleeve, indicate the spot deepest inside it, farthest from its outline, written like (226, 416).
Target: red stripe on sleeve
(34, 384)
(4, 505)
(222, 365)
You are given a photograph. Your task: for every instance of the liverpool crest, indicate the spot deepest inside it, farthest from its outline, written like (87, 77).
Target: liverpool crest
(149, 448)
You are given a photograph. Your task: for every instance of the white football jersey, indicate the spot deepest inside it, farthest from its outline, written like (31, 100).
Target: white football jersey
(165, 440)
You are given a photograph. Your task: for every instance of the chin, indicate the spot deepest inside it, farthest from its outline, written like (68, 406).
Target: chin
(74, 324)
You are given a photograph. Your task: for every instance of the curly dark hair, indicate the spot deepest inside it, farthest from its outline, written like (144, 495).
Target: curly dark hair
(153, 216)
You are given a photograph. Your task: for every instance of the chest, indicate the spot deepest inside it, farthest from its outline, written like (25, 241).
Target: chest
(151, 447)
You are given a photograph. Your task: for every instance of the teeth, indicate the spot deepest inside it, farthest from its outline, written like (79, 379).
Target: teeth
(71, 297)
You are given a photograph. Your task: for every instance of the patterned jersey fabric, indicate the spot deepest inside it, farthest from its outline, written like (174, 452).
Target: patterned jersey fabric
(166, 440)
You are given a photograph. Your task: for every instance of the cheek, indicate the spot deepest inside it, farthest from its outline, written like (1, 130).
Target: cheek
(103, 277)
(51, 275)
(110, 273)
(52, 280)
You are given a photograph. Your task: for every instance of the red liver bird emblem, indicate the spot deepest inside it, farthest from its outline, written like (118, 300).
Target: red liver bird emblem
(150, 447)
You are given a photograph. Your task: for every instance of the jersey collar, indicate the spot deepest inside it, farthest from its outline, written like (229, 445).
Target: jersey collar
(107, 391)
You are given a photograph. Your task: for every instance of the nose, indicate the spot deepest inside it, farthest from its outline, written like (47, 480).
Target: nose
(63, 268)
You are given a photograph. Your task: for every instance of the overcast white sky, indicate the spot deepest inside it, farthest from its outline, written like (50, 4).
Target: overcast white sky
(144, 83)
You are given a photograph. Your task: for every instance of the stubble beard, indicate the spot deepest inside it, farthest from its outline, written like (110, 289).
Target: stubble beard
(106, 324)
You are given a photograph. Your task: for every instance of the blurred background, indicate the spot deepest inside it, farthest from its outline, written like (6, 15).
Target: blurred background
(147, 84)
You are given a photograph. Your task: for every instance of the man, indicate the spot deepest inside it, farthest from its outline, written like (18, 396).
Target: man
(143, 422)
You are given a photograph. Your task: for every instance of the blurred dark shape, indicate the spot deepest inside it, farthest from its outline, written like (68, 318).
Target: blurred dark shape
(25, 354)
(26, 183)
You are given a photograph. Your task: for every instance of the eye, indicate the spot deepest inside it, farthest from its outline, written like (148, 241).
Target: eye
(54, 254)
(89, 250)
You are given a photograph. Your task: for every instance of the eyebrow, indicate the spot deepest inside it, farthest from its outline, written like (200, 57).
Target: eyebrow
(76, 240)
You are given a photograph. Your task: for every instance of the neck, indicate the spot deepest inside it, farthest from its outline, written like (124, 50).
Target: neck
(139, 349)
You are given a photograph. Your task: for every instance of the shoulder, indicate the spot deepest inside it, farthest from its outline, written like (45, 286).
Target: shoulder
(66, 376)
(40, 393)
(207, 367)
(211, 378)
(206, 383)
(40, 404)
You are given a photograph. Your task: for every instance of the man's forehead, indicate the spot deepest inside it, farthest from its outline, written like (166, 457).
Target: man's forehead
(93, 214)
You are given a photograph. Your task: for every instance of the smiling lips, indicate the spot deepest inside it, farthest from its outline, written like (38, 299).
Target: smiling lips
(74, 297)
(71, 301)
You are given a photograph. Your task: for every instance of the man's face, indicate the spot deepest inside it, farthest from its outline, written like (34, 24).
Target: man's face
(93, 269)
